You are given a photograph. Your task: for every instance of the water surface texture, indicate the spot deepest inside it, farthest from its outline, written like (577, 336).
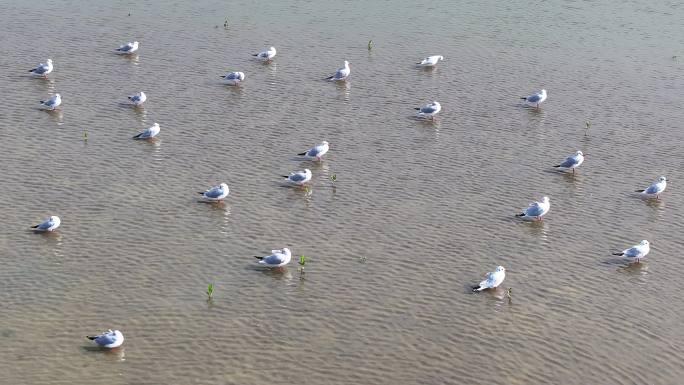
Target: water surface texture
(419, 211)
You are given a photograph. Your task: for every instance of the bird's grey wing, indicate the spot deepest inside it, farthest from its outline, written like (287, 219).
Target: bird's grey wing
(569, 161)
(534, 98)
(534, 210)
(274, 259)
(652, 189)
(105, 339)
(297, 177)
(428, 109)
(214, 192)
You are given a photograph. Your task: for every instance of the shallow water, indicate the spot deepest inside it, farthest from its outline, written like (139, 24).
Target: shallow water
(420, 210)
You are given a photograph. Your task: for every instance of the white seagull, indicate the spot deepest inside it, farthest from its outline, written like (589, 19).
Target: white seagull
(50, 224)
(572, 162)
(536, 99)
(341, 73)
(266, 55)
(655, 189)
(109, 339)
(278, 258)
(52, 102)
(317, 151)
(233, 78)
(429, 110)
(216, 193)
(43, 69)
(431, 61)
(492, 279)
(636, 253)
(536, 210)
(127, 48)
(138, 98)
(299, 177)
(149, 132)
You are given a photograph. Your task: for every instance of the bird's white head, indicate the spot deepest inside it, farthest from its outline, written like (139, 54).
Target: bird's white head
(441, 57)
(325, 143)
(662, 179)
(543, 91)
(135, 43)
(545, 199)
(500, 269)
(49, 61)
(224, 186)
(58, 96)
(272, 49)
(307, 171)
(644, 243)
(346, 63)
(54, 218)
(579, 153)
(286, 251)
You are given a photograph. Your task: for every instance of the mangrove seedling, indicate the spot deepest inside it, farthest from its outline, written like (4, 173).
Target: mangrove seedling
(302, 260)
(210, 291)
(370, 45)
(333, 177)
(509, 292)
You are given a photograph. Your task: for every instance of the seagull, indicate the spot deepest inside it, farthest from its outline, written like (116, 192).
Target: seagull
(572, 162)
(636, 253)
(492, 279)
(138, 99)
(109, 339)
(431, 61)
(429, 110)
(278, 258)
(299, 177)
(43, 69)
(216, 193)
(341, 74)
(50, 224)
(317, 151)
(536, 210)
(149, 132)
(52, 102)
(233, 78)
(266, 55)
(127, 48)
(655, 189)
(536, 98)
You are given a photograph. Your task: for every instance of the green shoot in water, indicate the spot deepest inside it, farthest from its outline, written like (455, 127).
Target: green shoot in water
(210, 291)
(333, 177)
(370, 45)
(509, 292)
(302, 260)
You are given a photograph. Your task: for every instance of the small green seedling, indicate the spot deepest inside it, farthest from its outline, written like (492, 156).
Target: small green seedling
(370, 45)
(333, 177)
(225, 24)
(302, 260)
(85, 135)
(509, 292)
(210, 291)
(363, 259)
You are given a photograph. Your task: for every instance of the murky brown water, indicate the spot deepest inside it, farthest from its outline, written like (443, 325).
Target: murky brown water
(419, 211)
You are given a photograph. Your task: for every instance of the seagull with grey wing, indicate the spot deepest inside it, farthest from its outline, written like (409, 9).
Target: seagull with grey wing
(216, 193)
(655, 189)
(299, 177)
(341, 73)
(128, 48)
(636, 253)
(571, 162)
(492, 279)
(43, 69)
(536, 210)
(233, 78)
(267, 55)
(430, 61)
(277, 258)
(536, 98)
(52, 102)
(137, 98)
(317, 151)
(109, 339)
(50, 224)
(149, 132)
(429, 110)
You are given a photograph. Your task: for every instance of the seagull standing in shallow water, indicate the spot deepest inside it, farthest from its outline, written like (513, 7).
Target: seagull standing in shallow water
(266, 55)
(299, 177)
(43, 69)
(216, 193)
(233, 78)
(536, 210)
(127, 48)
(492, 279)
(572, 162)
(431, 61)
(109, 339)
(429, 110)
(317, 152)
(655, 189)
(149, 132)
(536, 99)
(138, 99)
(341, 73)
(50, 224)
(52, 102)
(636, 253)
(278, 258)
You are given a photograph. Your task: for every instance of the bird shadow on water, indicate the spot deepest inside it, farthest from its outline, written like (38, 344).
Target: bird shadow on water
(278, 273)
(115, 354)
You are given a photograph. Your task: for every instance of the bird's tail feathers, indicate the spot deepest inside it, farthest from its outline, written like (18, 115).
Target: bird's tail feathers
(259, 258)
(303, 153)
(256, 54)
(138, 136)
(35, 227)
(639, 190)
(200, 192)
(477, 288)
(557, 165)
(523, 97)
(416, 108)
(520, 215)
(91, 337)
(619, 254)
(285, 176)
